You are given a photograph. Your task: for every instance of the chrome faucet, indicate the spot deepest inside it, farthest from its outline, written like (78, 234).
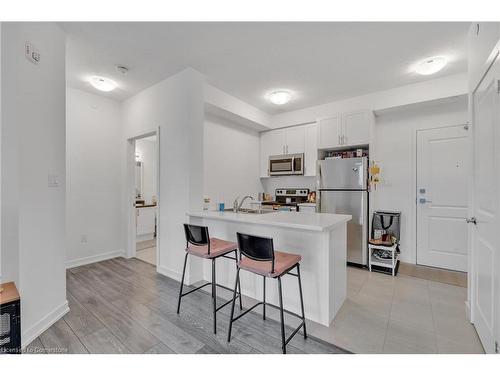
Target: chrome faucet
(236, 206)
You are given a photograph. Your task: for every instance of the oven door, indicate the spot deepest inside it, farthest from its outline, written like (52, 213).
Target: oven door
(280, 165)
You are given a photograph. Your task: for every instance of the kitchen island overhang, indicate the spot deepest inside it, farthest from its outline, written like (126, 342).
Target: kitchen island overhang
(319, 238)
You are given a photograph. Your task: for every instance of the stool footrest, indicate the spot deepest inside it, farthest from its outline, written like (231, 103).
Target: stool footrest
(267, 304)
(210, 284)
(294, 333)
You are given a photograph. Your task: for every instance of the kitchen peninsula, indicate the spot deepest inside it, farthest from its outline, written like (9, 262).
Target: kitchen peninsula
(318, 237)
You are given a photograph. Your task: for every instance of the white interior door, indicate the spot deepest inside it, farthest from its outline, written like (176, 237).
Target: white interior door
(485, 210)
(442, 200)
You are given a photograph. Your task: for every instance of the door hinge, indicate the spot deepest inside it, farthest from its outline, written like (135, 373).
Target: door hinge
(496, 347)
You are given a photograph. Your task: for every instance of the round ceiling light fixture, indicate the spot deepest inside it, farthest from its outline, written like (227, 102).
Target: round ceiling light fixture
(103, 84)
(280, 97)
(431, 65)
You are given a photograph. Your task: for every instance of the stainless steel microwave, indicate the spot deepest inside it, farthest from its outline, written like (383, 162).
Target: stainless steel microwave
(282, 165)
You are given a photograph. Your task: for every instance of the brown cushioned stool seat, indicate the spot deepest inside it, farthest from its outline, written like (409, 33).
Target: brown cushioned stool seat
(218, 247)
(282, 263)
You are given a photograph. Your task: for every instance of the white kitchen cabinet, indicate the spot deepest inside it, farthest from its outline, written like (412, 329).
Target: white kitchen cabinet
(145, 221)
(271, 143)
(295, 140)
(329, 132)
(356, 128)
(345, 130)
(483, 38)
(311, 149)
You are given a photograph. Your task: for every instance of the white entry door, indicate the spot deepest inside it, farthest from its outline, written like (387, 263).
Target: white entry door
(442, 178)
(485, 210)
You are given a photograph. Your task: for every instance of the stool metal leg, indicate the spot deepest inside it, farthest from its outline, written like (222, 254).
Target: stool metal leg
(182, 283)
(232, 305)
(283, 345)
(239, 283)
(214, 296)
(264, 298)
(301, 301)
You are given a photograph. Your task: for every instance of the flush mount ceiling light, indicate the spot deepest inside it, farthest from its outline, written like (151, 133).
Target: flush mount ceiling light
(279, 97)
(102, 83)
(431, 65)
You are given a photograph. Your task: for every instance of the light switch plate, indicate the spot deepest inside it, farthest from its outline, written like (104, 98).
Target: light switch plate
(53, 180)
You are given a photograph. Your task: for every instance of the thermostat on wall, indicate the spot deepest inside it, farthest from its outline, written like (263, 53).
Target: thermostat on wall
(31, 53)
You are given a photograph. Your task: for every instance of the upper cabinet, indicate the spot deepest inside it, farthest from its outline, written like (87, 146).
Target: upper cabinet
(329, 132)
(345, 130)
(483, 40)
(295, 142)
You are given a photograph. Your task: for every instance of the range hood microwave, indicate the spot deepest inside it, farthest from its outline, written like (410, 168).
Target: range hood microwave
(283, 165)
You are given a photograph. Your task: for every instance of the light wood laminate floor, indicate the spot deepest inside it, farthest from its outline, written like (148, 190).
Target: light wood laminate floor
(124, 306)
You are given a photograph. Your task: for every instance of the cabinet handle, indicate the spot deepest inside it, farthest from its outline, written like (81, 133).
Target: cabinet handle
(345, 139)
(340, 142)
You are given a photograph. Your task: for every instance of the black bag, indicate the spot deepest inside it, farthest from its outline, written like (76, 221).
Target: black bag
(389, 221)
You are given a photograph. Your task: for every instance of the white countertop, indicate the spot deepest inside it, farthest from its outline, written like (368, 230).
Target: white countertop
(318, 222)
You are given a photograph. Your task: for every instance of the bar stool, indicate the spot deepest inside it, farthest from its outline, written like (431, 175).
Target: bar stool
(199, 244)
(261, 259)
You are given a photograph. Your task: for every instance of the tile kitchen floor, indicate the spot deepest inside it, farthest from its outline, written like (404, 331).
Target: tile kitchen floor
(404, 314)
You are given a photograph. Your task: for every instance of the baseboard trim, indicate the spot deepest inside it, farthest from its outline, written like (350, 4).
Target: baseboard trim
(43, 324)
(169, 273)
(94, 258)
(467, 311)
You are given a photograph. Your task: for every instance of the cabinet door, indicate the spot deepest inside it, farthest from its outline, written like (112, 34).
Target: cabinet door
(329, 132)
(295, 140)
(271, 143)
(356, 128)
(311, 151)
(146, 220)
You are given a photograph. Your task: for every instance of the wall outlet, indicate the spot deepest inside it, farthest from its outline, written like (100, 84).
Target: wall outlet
(83, 238)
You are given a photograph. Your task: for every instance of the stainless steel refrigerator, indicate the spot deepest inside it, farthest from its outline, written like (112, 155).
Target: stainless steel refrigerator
(342, 189)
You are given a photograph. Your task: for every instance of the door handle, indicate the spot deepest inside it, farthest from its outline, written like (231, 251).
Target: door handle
(423, 201)
(471, 220)
(355, 169)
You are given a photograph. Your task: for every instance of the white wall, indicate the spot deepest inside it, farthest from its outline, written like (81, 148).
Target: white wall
(33, 147)
(231, 161)
(395, 137)
(176, 107)
(400, 96)
(94, 209)
(147, 151)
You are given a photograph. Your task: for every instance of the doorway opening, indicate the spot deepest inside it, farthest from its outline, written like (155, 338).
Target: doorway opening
(143, 184)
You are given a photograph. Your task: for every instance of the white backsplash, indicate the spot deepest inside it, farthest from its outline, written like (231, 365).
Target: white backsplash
(270, 184)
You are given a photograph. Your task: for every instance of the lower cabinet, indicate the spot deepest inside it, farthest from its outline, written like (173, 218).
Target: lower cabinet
(146, 221)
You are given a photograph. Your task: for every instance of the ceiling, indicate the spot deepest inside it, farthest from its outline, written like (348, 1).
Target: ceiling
(319, 62)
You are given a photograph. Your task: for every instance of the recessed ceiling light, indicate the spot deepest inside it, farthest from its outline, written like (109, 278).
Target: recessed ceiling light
(102, 83)
(280, 97)
(431, 65)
